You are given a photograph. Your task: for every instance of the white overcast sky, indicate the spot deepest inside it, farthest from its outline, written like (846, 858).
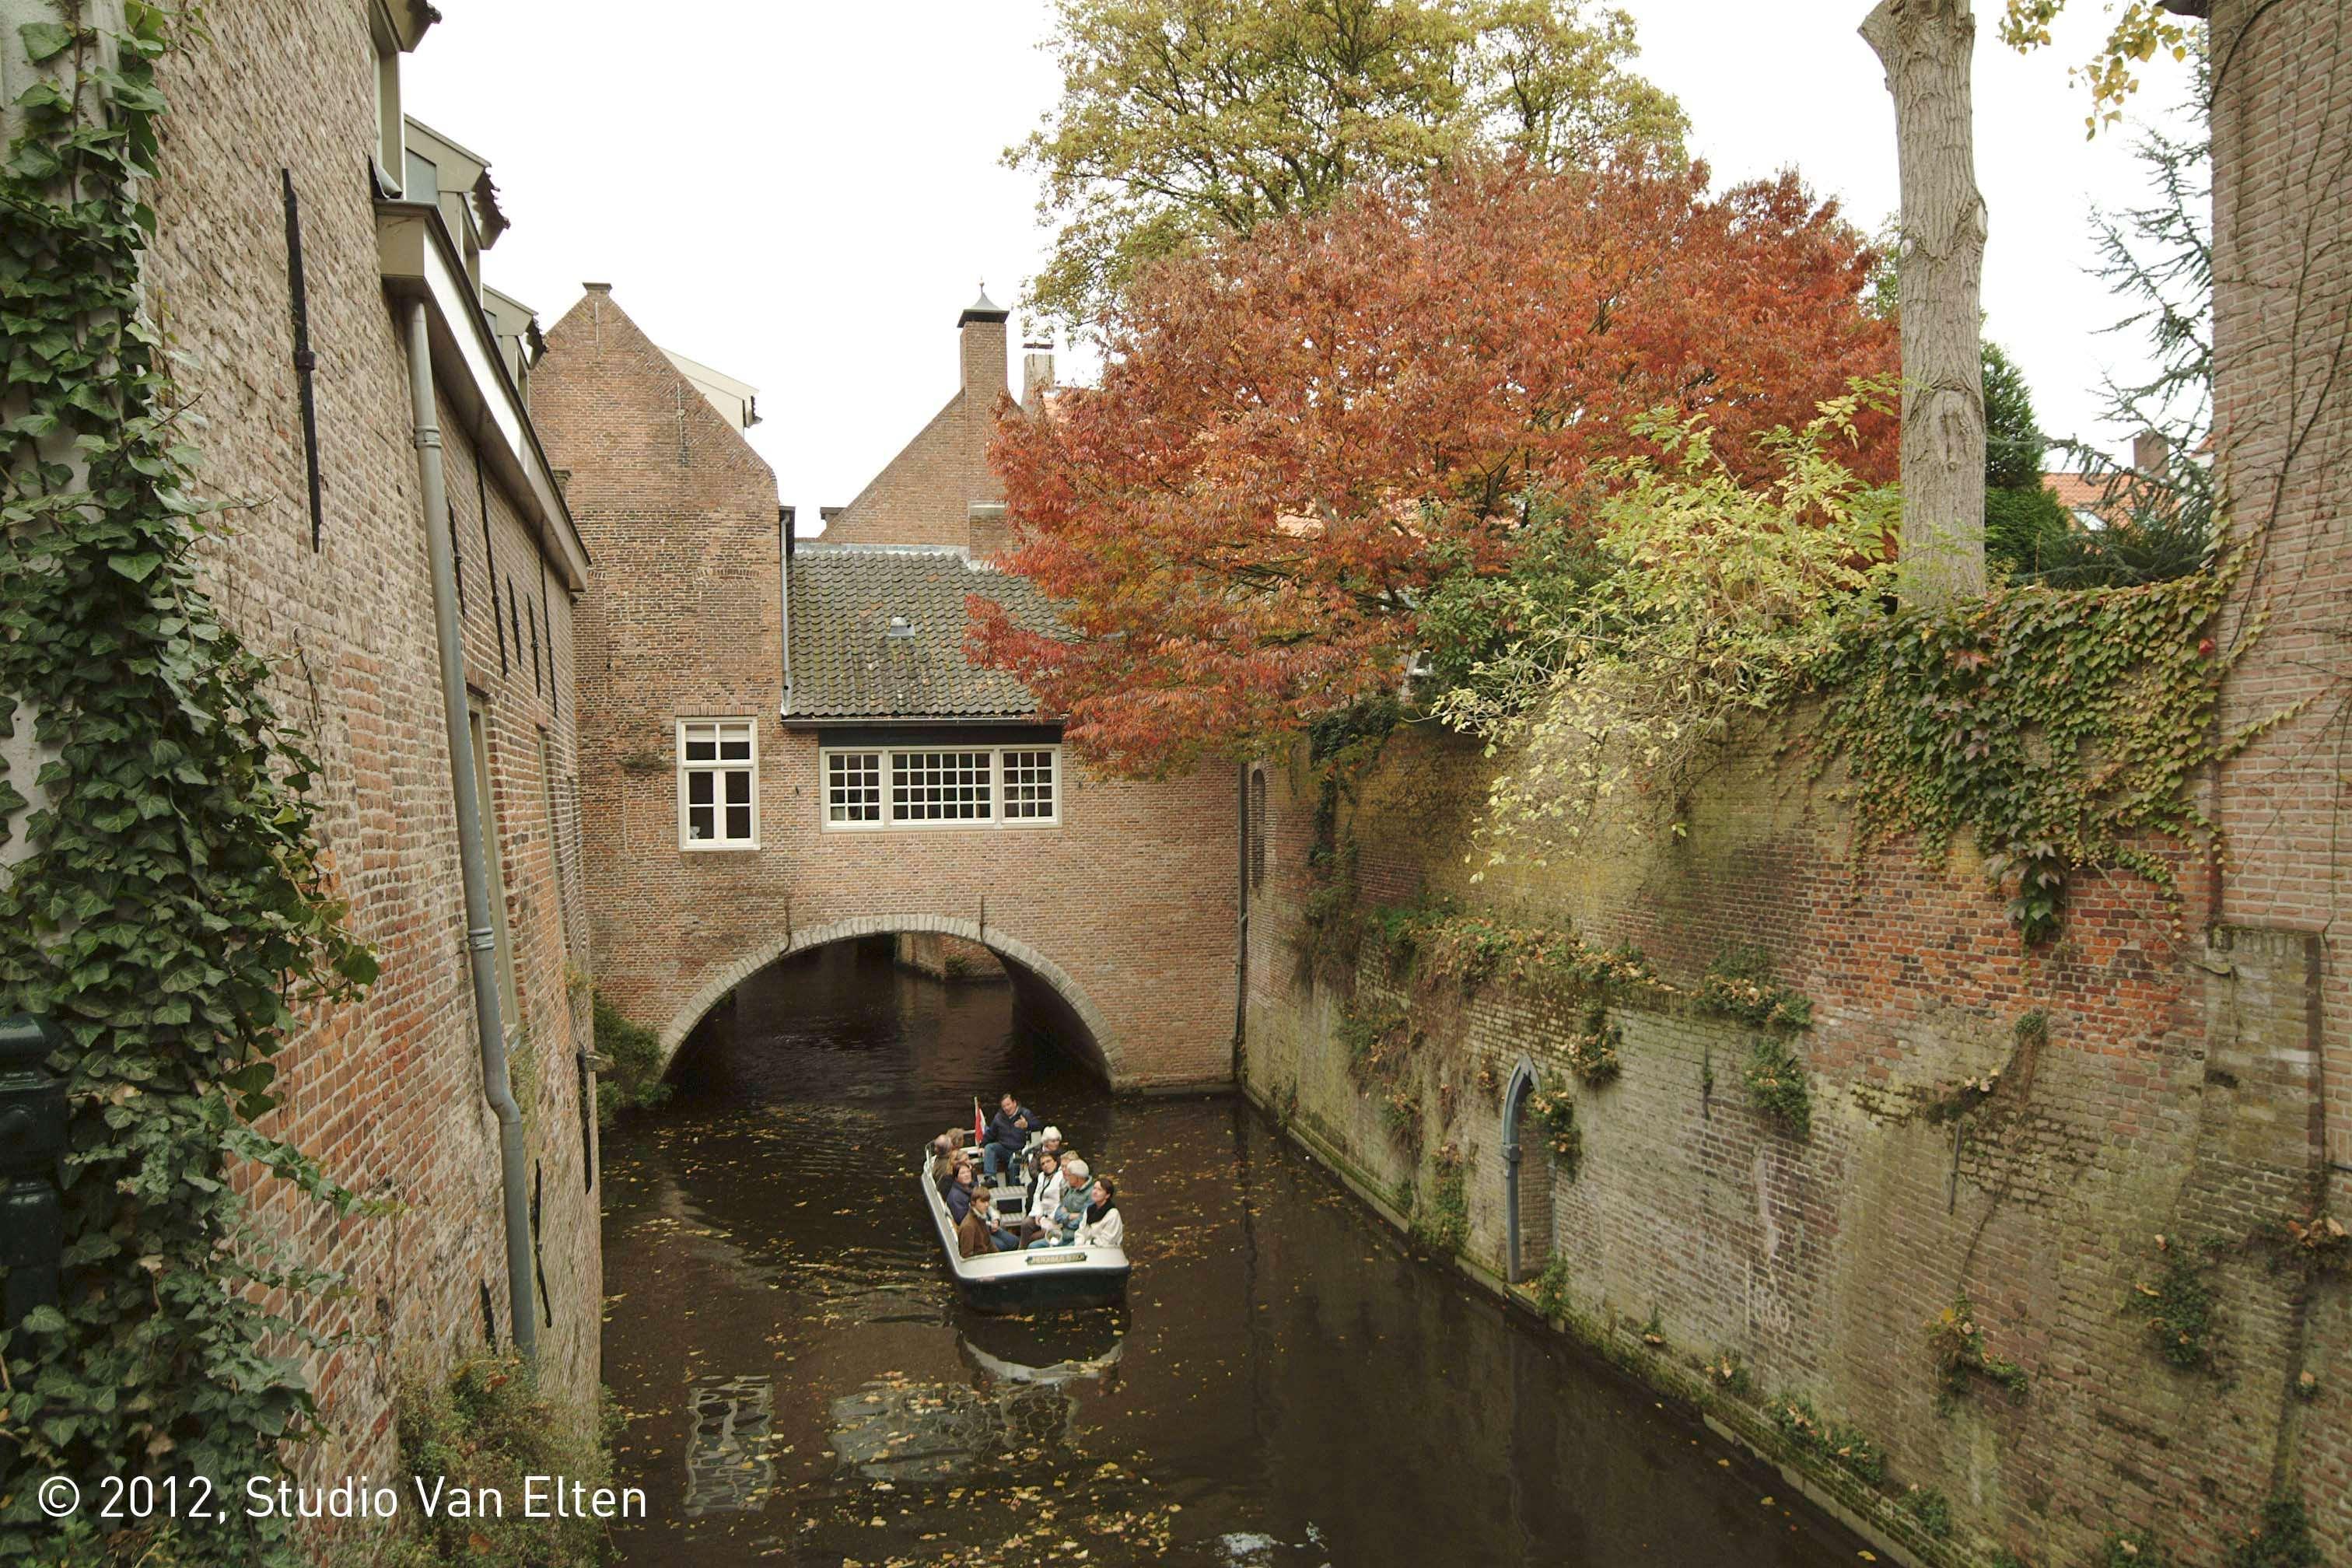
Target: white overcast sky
(805, 195)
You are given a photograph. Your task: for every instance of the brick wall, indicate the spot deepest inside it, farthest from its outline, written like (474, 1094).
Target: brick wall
(926, 494)
(2168, 1099)
(387, 1094)
(1125, 908)
(2283, 260)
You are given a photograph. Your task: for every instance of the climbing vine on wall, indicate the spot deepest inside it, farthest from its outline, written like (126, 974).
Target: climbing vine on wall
(2179, 1307)
(1957, 1339)
(170, 911)
(2053, 727)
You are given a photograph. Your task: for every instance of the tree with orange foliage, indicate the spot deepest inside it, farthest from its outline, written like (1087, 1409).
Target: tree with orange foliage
(1301, 432)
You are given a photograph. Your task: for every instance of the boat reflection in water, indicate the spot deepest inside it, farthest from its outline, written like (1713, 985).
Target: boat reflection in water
(1022, 1399)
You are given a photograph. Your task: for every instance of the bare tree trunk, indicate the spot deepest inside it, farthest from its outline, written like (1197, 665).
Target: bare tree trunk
(1925, 45)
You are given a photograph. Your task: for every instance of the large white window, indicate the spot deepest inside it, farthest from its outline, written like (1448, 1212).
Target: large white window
(718, 797)
(975, 787)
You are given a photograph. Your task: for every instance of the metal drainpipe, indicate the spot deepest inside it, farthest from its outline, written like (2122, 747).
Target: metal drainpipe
(1241, 926)
(785, 529)
(482, 936)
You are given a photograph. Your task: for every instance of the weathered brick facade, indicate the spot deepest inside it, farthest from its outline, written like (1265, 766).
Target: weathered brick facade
(2184, 1089)
(387, 1094)
(1125, 909)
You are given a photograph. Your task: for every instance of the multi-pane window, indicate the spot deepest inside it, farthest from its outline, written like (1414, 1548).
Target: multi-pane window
(716, 798)
(967, 787)
(942, 786)
(1029, 785)
(853, 787)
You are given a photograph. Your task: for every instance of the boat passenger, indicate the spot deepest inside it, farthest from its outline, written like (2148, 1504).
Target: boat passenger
(1008, 1134)
(1043, 1194)
(1060, 1227)
(943, 1154)
(1103, 1228)
(946, 1179)
(1050, 1144)
(959, 1191)
(980, 1234)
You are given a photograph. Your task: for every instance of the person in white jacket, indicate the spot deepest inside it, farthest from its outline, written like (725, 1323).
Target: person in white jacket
(1103, 1228)
(1059, 1226)
(1043, 1199)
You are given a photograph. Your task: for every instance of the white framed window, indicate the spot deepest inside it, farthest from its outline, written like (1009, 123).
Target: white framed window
(853, 789)
(936, 786)
(942, 786)
(1032, 784)
(717, 790)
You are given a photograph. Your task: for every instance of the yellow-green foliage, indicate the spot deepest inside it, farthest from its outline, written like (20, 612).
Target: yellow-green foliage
(1718, 599)
(632, 1079)
(490, 1427)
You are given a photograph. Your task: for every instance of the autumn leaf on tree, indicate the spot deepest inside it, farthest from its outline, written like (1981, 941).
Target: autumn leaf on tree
(1300, 432)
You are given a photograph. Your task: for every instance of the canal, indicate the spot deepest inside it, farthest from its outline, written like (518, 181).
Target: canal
(1288, 1384)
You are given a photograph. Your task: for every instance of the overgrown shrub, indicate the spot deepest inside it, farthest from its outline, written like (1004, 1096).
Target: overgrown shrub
(1443, 1225)
(1958, 1341)
(632, 1078)
(2179, 1309)
(489, 1426)
(1842, 1445)
(1553, 1106)
(1593, 1049)
(1728, 1373)
(2282, 1539)
(1776, 1082)
(1929, 1509)
(1741, 984)
(1551, 1288)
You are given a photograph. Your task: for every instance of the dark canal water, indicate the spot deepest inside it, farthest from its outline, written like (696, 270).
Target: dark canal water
(1288, 1386)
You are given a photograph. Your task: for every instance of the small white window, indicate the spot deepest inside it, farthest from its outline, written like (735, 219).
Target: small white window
(717, 800)
(1029, 785)
(853, 788)
(942, 786)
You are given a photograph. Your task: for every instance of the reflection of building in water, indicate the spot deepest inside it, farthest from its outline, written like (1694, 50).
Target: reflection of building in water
(728, 1467)
(896, 1431)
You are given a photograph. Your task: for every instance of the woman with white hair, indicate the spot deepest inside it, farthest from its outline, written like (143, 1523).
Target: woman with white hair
(1059, 1228)
(1048, 1142)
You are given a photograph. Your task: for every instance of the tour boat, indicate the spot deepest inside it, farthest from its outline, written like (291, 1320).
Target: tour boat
(1027, 1278)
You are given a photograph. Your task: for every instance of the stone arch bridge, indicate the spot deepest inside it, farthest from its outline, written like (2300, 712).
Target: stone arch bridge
(1102, 1047)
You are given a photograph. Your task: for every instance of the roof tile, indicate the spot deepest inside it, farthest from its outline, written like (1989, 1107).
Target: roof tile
(847, 665)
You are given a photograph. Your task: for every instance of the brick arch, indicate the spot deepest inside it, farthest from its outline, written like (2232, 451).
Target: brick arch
(1012, 949)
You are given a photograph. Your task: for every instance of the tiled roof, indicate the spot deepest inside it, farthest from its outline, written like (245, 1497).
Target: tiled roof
(846, 664)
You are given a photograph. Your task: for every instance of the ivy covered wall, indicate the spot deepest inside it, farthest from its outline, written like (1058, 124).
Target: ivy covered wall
(1827, 1108)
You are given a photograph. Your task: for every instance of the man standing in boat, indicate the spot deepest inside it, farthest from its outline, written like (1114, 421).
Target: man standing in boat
(1008, 1134)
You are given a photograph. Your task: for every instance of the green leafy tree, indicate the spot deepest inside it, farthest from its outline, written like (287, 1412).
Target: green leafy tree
(2022, 519)
(1184, 118)
(1715, 597)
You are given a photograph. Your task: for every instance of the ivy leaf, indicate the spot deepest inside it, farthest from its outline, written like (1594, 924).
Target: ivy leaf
(44, 40)
(138, 568)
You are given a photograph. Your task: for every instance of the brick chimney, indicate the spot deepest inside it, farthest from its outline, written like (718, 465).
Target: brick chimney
(2151, 454)
(1037, 374)
(980, 333)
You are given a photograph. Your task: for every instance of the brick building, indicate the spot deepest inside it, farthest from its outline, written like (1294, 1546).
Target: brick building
(286, 119)
(764, 772)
